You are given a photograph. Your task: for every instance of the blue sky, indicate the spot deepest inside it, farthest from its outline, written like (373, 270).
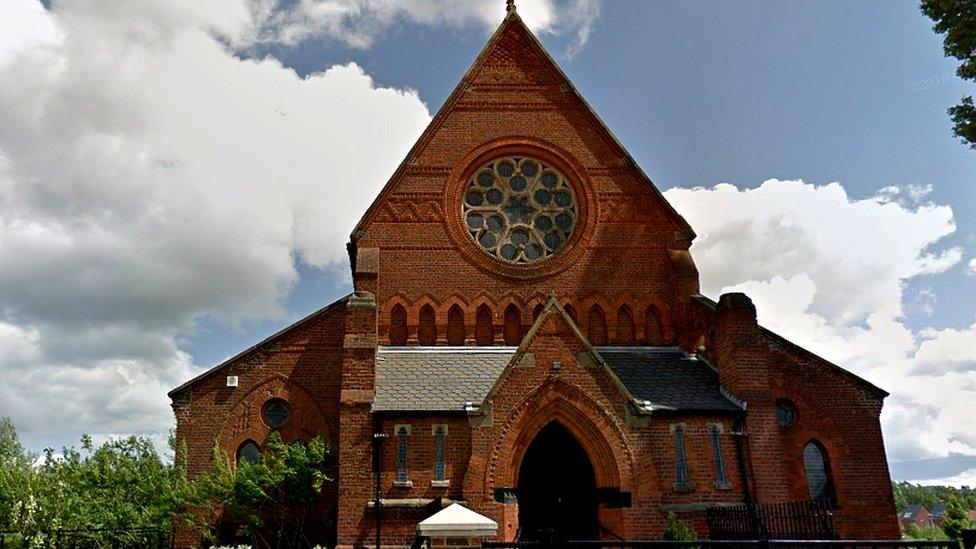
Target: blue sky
(202, 198)
(708, 92)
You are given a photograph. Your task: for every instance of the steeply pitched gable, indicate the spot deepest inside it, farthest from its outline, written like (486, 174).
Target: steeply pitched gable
(554, 319)
(509, 74)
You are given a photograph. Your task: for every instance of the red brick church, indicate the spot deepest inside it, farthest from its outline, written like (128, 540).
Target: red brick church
(527, 337)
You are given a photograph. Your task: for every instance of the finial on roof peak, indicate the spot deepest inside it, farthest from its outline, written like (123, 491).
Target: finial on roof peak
(509, 6)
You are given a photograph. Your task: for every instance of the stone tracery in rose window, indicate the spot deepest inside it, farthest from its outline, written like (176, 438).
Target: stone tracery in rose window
(519, 209)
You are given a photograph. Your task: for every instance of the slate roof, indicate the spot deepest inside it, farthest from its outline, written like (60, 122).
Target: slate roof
(911, 511)
(436, 379)
(668, 378)
(443, 379)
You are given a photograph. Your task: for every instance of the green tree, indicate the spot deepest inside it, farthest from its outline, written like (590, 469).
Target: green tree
(120, 484)
(678, 530)
(956, 19)
(956, 519)
(913, 532)
(907, 493)
(16, 477)
(275, 497)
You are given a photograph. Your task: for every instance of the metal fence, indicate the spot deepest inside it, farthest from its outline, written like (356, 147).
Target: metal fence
(730, 544)
(794, 520)
(91, 538)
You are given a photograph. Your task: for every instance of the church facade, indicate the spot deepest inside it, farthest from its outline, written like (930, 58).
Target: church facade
(526, 336)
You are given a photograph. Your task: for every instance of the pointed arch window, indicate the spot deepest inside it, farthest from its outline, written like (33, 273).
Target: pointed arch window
(513, 325)
(427, 328)
(596, 330)
(248, 452)
(571, 313)
(682, 474)
(653, 332)
(484, 332)
(817, 468)
(455, 326)
(403, 445)
(398, 325)
(625, 326)
(536, 312)
(440, 453)
(715, 434)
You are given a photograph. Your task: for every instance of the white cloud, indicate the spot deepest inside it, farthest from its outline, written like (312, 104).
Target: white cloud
(149, 177)
(830, 273)
(971, 268)
(965, 478)
(24, 26)
(359, 23)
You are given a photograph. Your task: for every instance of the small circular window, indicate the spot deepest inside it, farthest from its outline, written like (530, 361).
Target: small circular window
(519, 209)
(249, 452)
(275, 414)
(785, 413)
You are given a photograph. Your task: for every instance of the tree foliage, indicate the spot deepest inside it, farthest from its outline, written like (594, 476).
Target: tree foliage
(15, 477)
(678, 530)
(956, 519)
(956, 19)
(118, 485)
(124, 483)
(907, 494)
(913, 532)
(956, 500)
(277, 496)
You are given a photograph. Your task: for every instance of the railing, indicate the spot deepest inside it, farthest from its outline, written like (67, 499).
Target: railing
(794, 520)
(730, 544)
(91, 538)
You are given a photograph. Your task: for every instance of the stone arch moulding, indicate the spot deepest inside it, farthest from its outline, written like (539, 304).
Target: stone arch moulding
(548, 153)
(450, 301)
(243, 421)
(607, 449)
(413, 312)
(814, 421)
(396, 299)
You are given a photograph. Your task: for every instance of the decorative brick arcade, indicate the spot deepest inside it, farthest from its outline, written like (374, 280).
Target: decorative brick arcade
(525, 296)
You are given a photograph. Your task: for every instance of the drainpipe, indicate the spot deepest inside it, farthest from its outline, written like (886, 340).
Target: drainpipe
(378, 436)
(738, 430)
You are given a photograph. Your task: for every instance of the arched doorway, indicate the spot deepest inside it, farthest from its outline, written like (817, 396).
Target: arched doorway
(557, 496)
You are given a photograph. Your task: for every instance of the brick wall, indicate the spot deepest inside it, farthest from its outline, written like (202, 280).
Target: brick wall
(411, 249)
(300, 366)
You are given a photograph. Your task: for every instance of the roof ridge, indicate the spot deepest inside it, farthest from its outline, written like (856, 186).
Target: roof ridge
(512, 18)
(214, 369)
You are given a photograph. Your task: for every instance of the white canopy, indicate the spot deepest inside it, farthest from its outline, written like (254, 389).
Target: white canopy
(457, 521)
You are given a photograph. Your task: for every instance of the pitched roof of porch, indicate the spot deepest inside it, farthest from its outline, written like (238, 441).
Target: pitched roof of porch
(445, 379)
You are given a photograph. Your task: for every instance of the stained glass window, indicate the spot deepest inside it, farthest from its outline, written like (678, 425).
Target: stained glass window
(275, 414)
(715, 432)
(440, 451)
(403, 436)
(681, 476)
(519, 209)
(785, 413)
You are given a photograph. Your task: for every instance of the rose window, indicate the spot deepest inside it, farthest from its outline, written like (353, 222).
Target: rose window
(519, 209)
